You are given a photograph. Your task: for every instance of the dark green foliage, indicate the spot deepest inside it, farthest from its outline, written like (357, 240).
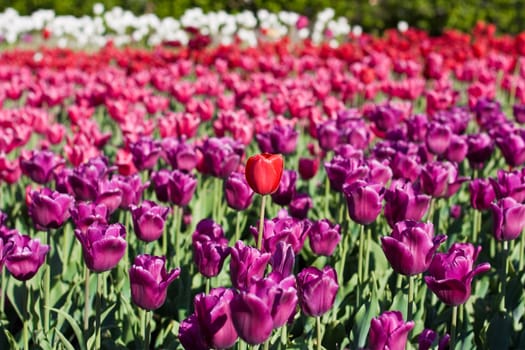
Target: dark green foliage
(372, 15)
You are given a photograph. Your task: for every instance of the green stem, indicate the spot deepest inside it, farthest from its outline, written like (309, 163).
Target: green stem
(266, 345)
(522, 252)
(410, 297)
(360, 262)
(319, 336)
(2, 292)
(86, 298)
(430, 216)
(238, 226)
(98, 307)
(284, 336)
(47, 284)
(476, 225)
(261, 223)
(504, 272)
(453, 324)
(326, 197)
(367, 252)
(341, 268)
(177, 214)
(27, 316)
(208, 285)
(147, 328)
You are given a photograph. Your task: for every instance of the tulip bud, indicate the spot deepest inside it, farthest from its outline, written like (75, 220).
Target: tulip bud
(324, 237)
(26, 256)
(389, 331)
(149, 220)
(263, 172)
(509, 219)
(364, 201)
(149, 281)
(317, 290)
(237, 191)
(49, 209)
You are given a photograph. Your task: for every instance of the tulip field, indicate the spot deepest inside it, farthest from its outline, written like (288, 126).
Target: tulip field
(284, 185)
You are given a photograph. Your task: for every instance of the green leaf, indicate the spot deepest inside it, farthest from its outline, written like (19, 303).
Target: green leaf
(499, 332)
(64, 340)
(364, 315)
(79, 334)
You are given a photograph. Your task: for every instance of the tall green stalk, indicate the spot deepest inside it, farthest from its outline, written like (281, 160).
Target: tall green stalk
(261, 223)
(410, 297)
(319, 333)
(98, 310)
(86, 298)
(47, 284)
(453, 324)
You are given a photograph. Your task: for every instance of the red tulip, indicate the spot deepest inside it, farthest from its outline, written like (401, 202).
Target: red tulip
(264, 171)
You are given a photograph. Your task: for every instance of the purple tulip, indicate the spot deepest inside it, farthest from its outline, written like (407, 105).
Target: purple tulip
(215, 318)
(284, 229)
(110, 194)
(41, 165)
(49, 209)
(283, 259)
(149, 220)
(286, 189)
(438, 138)
(145, 153)
(238, 193)
(324, 237)
(389, 331)
(328, 135)
(221, 156)
(402, 202)
(190, 334)
(175, 187)
(364, 201)
(450, 274)
(246, 264)
(440, 179)
(268, 304)
(280, 139)
(85, 214)
(84, 180)
(344, 170)
(317, 290)
(308, 167)
(510, 184)
(508, 219)
(481, 194)
(406, 166)
(379, 172)
(62, 184)
(512, 147)
(519, 113)
(179, 154)
(210, 247)
(411, 247)
(300, 205)
(427, 338)
(480, 149)
(26, 256)
(149, 281)
(458, 149)
(131, 188)
(102, 245)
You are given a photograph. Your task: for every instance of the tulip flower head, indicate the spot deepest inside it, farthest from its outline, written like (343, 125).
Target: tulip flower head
(450, 274)
(149, 281)
(149, 220)
(263, 172)
(214, 316)
(317, 290)
(389, 331)
(49, 209)
(237, 191)
(508, 219)
(102, 245)
(26, 256)
(411, 247)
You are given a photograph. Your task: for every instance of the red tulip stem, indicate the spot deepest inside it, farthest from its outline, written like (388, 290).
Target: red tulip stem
(453, 324)
(86, 299)
(261, 223)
